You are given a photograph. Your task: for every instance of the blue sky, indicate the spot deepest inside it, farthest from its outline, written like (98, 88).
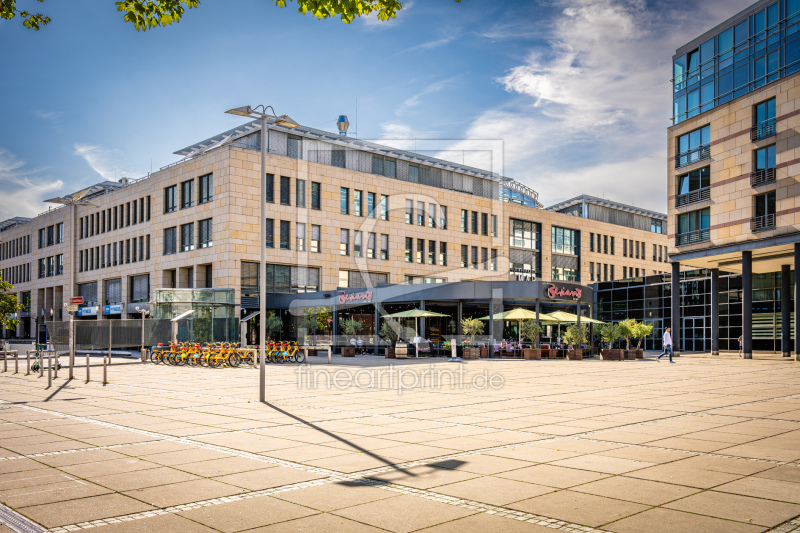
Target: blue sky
(572, 96)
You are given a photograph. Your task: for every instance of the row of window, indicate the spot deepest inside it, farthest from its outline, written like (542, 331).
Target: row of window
(567, 241)
(205, 240)
(425, 255)
(108, 255)
(600, 272)
(138, 290)
(204, 195)
(695, 226)
(117, 217)
(366, 205)
(15, 247)
(426, 218)
(51, 266)
(279, 279)
(603, 242)
(469, 258)
(285, 192)
(565, 274)
(358, 244)
(17, 274)
(356, 279)
(469, 223)
(51, 235)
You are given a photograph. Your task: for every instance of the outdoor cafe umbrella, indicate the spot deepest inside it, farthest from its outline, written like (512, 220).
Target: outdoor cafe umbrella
(571, 318)
(519, 314)
(415, 314)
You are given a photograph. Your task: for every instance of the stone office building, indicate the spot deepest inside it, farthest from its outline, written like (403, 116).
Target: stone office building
(343, 214)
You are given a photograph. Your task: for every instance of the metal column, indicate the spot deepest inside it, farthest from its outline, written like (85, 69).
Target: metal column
(796, 299)
(747, 304)
(377, 328)
(675, 319)
(714, 311)
(786, 317)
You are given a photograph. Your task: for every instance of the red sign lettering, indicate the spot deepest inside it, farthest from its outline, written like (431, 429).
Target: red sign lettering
(355, 297)
(555, 292)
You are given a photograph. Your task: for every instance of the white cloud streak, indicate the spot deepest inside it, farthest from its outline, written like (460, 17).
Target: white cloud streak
(23, 188)
(592, 106)
(104, 161)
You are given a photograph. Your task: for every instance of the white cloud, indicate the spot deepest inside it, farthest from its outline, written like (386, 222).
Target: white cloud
(23, 188)
(428, 45)
(48, 114)
(592, 106)
(104, 161)
(414, 100)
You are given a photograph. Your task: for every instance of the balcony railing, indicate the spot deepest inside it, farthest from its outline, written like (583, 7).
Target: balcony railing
(692, 237)
(762, 176)
(693, 196)
(763, 130)
(692, 156)
(762, 223)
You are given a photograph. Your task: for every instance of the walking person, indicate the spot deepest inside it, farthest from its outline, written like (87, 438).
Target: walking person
(741, 340)
(667, 346)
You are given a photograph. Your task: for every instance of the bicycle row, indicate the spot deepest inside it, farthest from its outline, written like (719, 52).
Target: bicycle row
(223, 354)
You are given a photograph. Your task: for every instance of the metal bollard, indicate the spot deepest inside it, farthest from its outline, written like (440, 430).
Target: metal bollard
(16, 363)
(5, 361)
(87, 368)
(55, 367)
(27, 363)
(105, 374)
(41, 364)
(330, 348)
(49, 372)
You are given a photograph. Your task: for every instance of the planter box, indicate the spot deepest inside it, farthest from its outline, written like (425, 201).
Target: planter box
(471, 353)
(389, 353)
(532, 354)
(610, 355)
(639, 354)
(574, 355)
(484, 352)
(630, 354)
(348, 352)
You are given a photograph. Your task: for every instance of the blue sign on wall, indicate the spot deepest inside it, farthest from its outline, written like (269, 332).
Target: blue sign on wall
(87, 311)
(115, 309)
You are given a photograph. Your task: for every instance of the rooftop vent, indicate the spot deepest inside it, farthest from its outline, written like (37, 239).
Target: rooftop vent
(124, 181)
(343, 124)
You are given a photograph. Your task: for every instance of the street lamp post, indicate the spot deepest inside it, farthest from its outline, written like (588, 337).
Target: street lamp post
(266, 119)
(144, 312)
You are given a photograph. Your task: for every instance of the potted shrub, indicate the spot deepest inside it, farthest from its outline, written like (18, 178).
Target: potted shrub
(609, 333)
(575, 336)
(390, 330)
(627, 330)
(273, 325)
(471, 327)
(641, 330)
(349, 328)
(530, 331)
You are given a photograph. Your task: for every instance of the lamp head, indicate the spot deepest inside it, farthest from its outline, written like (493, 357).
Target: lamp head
(244, 111)
(286, 121)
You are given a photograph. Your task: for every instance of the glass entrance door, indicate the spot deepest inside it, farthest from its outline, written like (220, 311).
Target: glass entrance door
(653, 341)
(694, 337)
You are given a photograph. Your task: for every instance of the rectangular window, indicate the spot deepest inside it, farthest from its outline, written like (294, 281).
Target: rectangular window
(148, 209)
(384, 246)
(42, 268)
(693, 187)
(484, 224)
(344, 242)
(51, 235)
(42, 238)
(464, 256)
(413, 173)
(81, 228)
(338, 158)
(285, 230)
(464, 221)
(134, 215)
(316, 202)
(206, 189)
(344, 201)
(591, 271)
(59, 264)
(431, 252)
(169, 242)
(384, 207)
(565, 241)
(358, 243)
(693, 227)
(605, 244)
(654, 252)
(270, 188)
(442, 254)
(187, 194)
(148, 246)
(127, 251)
(763, 211)
(270, 233)
(524, 234)
(494, 259)
(764, 120)
(206, 240)
(637, 249)
(474, 257)
(371, 238)
(474, 222)
(115, 216)
(611, 272)
(134, 256)
(420, 250)
(431, 215)
(660, 254)
(409, 211)
(624, 247)
(371, 204)
(420, 213)
(141, 209)
(494, 225)
(316, 236)
(300, 230)
(187, 237)
(485, 258)
(114, 250)
(286, 190)
(170, 202)
(409, 250)
(442, 217)
(694, 146)
(358, 203)
(293, 146)
(599, 244)
(612, 245)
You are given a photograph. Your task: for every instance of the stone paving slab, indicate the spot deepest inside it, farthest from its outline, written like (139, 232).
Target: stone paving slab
(708, 444)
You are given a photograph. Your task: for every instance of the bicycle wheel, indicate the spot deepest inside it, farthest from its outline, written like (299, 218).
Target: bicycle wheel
(234, 360)
(214, 361)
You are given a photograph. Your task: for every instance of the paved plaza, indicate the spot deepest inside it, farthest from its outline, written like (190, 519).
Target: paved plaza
(710, 444)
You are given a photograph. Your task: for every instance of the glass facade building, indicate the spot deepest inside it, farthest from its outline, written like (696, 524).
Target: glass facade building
(755, 48)
(648, 300)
